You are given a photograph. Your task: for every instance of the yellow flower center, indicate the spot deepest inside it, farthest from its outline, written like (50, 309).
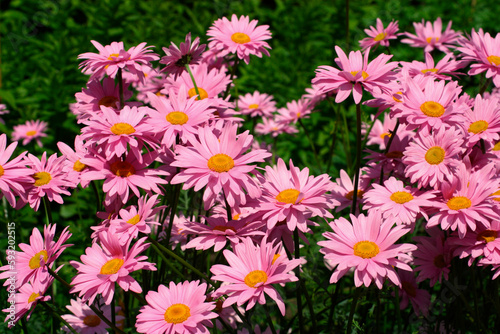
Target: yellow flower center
(496, 147)
(401, 197)
(363, 74)
(2, 171)
(394, 155)
(177, 313)
(253, 106)
(92, 320)
(478, 126)
(432, 109)
(275, 257)
(122, 129)
(41, 178)
(433, 70)
(435, 155)
(35, 260)
(395, 98)
(134, 220)
(33, 297)
(203, 93)
(220, 163)
(366, 249)
(350, 194)
(409, 289)
(78, 166)
(255, 277)
(380, 37)
(288, 196)
(494, 60)
(240, 38)
(429, 39)
(459, 202)
(113, 55)
(223, 228)
(122, 168)
(487, 236)
(112, 266)
(108, 101)
(236, 216)
(177, 118)
(31, 133)
(439, 261)
(496, 193)
(385, 134)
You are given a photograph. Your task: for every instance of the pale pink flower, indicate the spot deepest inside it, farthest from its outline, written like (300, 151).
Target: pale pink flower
(273, 127)
(367, 245)
(251, 272)
(105, 265)
(31, 130)
(379, 35)
(180, 308)
(85, 321)
(430, 36)
(257, 104)
(239, 36)
(484, 122)
(177, 58)
(442, 70)
(72, 165)
(294, 111)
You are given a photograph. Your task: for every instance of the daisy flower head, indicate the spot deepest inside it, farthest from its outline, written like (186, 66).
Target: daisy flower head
(219, 163)
(49, 179)
(343, 190)
(274, 127)
(484, 122)
(177, 58)
(31, 130)
(379, 35)
(179, 308)
(483, 242)
(73, 167)
(442, 70)
(239, 36)
(367, 245)
(257, 104)
(85, 321)
(251, 272)
(430, 36)
(398, 203)
(409, 292)
(106, 264)
(113, 57)
(33, 259)
(381, 131)
(431, 159)
(391, 162)
(355, 74)
(13, 174)
(294, 196)
(294, 111)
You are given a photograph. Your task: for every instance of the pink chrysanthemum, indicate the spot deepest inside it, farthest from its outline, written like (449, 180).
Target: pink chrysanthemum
(432, 158)
(398, 203)
(177, 58)
(273, 127)
(251, 272)
(113, 57)
(367, 245)
(180, 308)
(239, 36)
(484, 122)
(482, 242)
(73, 167)
(379, 35)
(420, 299)
(257, 104)
(33, 260)
(382, 130)
(85, 321)
(442, 70)
(355, 74)
(294, 111)
(431, 36)
(31, 130)
(105, 265)
(343, 190)
(49, 179)
(13, 174)
(220, 164)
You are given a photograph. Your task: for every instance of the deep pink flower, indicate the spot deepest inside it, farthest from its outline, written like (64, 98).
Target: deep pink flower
(31, 130)
(481, 242)
(442, 70)
(72, 165)
(85, 321)
(177, 58)
(379, 35)
(431, 36)
(343, 190)
(420, 299)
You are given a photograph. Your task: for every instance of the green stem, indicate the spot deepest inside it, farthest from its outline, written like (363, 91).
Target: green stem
(318, 162)
(113, 315)
(233, 73)
(58, 278)
(57, 316)
(347, 144)
(357, 294)
(120, 87)
(228, 208)
(194, 82)
(106, 320)
(269, 320)
(332, 145)
(97, 195)
(173, 210)
(398, 311)
(358, 159)
(298, 282)
(48, 211)
(166, 261)
(485, 86)
(275, 143)
(387, 148)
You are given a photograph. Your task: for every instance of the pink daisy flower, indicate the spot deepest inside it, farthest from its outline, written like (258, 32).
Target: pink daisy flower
(467, 201)
(31, 263)
(294, 111)
(430, 36)
(291, 195)
(13, 174)
(482, 242)
(273, 127)
(257, 104)
(432, 158)
(73, 167)
(367, 245)
(420, 299)
(85, 321)
(177, 58)
(379, 35)
(239, 36)
(113, 57)
(49, 179)
(220, 164)
(484, 51)
(251, 272)
(343, 190)
(381, 131)
(180, 308)
(398, 203)
(105, 265)
(442, 70)
(31, 130)
(484, 122)
(355, 74)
